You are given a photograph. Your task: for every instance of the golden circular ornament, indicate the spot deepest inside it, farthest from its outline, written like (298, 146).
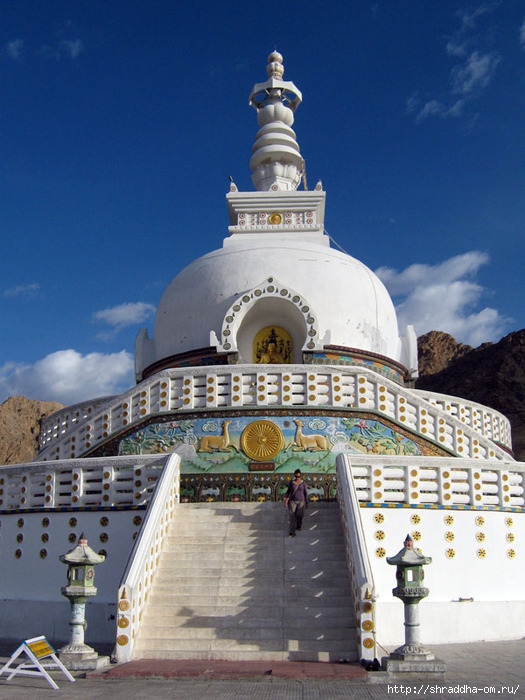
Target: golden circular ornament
(262, 440)
(275, 219)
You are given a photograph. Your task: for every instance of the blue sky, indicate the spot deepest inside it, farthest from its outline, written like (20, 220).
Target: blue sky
(121, 121)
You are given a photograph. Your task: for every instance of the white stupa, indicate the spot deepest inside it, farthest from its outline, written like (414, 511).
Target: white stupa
(272, 353)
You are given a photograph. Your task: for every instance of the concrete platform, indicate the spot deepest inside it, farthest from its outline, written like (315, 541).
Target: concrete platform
(491, 668)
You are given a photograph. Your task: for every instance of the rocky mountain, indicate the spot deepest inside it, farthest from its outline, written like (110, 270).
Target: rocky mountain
(20, 422)
(492, 374)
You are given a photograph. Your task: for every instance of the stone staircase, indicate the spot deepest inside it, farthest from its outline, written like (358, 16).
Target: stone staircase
(232, 585)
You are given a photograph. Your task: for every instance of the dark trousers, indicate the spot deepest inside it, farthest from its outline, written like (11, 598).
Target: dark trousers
(296, 509)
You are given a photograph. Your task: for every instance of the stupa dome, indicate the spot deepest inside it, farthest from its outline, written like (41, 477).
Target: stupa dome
(351, 306)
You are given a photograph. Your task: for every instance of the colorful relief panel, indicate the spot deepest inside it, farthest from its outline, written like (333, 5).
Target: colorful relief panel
(330, 358)
(252, 487)
(276, 443)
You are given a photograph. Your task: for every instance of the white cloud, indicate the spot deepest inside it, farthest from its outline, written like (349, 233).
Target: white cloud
(445, 297)
(457, 47)
(68, 377)
(432, 108)
(15, 49)
(125, 315)
(470, 15)
(27, 290)
(72, 47)
(473, 72)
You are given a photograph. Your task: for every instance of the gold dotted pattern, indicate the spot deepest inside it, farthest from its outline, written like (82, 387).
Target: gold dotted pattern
(380, 552)
(450, 553)
(379, 535)
(379, 518)
(448, 520)
(415, 519)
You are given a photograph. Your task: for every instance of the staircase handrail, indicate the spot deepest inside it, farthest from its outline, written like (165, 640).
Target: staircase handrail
(138, 575)
(362, 578)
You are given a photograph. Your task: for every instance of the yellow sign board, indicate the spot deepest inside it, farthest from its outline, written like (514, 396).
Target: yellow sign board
(40, 648)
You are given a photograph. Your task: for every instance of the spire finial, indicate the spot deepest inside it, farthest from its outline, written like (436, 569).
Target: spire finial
(275, 68)
(276, 162)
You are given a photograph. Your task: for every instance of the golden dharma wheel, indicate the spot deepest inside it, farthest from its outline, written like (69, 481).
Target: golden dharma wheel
(262, 440)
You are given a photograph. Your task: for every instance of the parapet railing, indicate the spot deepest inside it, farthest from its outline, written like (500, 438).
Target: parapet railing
(80, 483)
(66, 435)
(435, 481)
(139, 574)
(488, 421)
(362, 579)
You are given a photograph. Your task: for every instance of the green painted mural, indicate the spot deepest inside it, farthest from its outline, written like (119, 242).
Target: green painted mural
(237, 445)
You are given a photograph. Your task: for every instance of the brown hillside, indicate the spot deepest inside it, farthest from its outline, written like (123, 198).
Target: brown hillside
(493, 375)
(20, 423)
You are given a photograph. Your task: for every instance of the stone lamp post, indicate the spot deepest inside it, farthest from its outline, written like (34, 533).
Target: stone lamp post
(412, 655)
(81, 562)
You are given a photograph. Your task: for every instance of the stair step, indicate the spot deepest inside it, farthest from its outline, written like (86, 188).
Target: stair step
(231, 585)
(160, 620)
(227, 649)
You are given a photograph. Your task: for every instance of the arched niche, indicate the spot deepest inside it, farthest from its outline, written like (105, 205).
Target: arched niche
(267, 305)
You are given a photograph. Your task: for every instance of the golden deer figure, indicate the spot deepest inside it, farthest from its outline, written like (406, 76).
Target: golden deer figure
(310, 443)
(217, 443)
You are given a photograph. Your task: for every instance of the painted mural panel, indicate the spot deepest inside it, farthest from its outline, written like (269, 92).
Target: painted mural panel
(276, 443)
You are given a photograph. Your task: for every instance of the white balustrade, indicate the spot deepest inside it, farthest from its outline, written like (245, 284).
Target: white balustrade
(363, 588)
(483, 419)
(80, 483)
(139, 575)
(66, 436)
(436, 481)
